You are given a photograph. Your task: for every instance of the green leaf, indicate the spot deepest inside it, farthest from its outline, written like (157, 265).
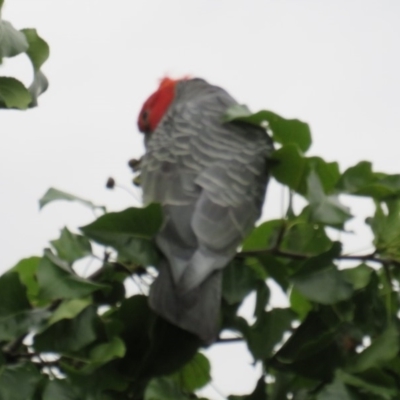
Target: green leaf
(299, 304)
(306, 238)
(164, 389)
(60, 390)
(26, 269)
(68, 335)
(69, 309)
(263, 236)
(56, 281)
(319, 280)
(290, 168)
(360, 180)
(359, 276)
(382, 350)
(268, 331)
(314, 340)
(38, 50)
(194, 375)
(328, 173)
(55, 195)
(13, 94)
(285, 131)
(325, 209)
(386, 228)
(12, 41)
(19, 381)
(130, 232)
(106, 352)
(335, 391)
(238, 281)
(381, 391)
(13, 295)
(72, 247)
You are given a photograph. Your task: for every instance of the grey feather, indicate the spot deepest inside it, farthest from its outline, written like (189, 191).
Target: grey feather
(211, 179)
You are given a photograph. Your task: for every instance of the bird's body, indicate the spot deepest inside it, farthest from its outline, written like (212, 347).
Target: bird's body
(210, 178)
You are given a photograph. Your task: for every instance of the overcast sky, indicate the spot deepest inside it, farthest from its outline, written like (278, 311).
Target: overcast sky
(334, 64)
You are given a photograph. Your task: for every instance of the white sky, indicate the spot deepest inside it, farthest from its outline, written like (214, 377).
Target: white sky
(334, 64)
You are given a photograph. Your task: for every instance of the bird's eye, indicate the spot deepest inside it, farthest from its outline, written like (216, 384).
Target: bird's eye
(145, 115)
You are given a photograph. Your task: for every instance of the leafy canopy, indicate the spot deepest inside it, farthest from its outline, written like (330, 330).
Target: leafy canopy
(65, 334)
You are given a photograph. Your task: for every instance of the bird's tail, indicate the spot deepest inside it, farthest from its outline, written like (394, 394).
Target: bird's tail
(196, 311)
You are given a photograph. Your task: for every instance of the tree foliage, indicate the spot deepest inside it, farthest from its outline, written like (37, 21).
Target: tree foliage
(13, 42)
(65, 334)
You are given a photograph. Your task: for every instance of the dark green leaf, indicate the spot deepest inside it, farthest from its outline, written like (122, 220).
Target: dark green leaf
(13, 295)
(68, 335)
(314, 340)
(382, 350)
(164, 389)
(194, 375)
(290, 168)
(19, 381)
(238, 281)
(130, 232)
(380, 391)
(337, 390)
(72, 247)
(56, 281)
(268, 331)
(13, 94)
(12, 41)
(60, 390)
(319, 280)
(55, 195)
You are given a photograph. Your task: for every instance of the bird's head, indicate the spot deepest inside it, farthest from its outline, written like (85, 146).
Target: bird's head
(156, 105)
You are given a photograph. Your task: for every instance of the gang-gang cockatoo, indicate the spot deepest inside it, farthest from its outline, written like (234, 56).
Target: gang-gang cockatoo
(210, 178)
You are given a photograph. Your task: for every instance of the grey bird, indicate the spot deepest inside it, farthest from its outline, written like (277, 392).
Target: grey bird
(210, 178)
